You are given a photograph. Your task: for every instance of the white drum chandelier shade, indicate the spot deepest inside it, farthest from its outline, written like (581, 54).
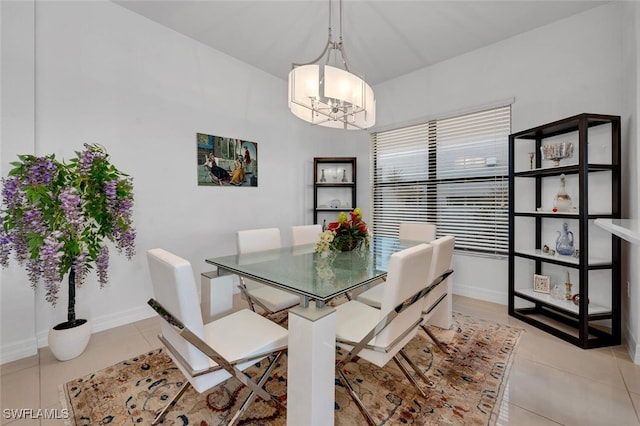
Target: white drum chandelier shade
(330, 96)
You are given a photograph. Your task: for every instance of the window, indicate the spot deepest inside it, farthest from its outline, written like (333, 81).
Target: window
(451, 172)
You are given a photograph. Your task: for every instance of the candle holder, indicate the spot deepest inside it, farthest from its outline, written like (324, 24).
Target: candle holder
(568, 286)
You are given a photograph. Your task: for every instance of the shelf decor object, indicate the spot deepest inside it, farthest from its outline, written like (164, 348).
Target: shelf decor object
(541, 283)
(557, 152)
(594, 318)
(562, 202)
(564, 243)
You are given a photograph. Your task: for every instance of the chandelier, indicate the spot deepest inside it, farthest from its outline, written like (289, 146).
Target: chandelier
(331, 96)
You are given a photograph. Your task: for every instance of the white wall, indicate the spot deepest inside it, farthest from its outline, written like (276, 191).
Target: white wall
(579, 64)
(104, 74)
(630, 174)
(17, 133)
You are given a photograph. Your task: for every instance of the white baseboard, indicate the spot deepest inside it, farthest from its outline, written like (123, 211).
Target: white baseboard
(480, 293)
(18, 350)
(633, 348)
(106, 322)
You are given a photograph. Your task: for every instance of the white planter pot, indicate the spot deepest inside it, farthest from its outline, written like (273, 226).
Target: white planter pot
(68, 343)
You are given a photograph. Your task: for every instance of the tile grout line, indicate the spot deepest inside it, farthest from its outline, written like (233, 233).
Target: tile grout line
(635, 409)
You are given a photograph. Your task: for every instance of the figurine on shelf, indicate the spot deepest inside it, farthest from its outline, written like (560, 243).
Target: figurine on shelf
(568, 285)
(344, 175)
(557, 292)
(532, 155)
(564, 243)
(322, 178)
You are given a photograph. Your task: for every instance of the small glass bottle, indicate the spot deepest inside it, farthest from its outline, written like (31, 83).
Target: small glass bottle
(562, 202)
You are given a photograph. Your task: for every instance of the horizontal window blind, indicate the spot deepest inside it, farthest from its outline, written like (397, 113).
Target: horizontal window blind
(451, 172)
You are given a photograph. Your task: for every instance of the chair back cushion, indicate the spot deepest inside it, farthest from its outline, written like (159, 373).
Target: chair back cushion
(174, 287)
(417, 231)
(442, 256)
(406, 276)
(251, 240)
(305, 234)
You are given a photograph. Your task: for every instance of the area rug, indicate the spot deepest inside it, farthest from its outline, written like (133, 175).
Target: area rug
(467, 386)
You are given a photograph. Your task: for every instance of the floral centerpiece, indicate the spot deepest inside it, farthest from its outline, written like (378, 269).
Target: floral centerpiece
(56, 218)
(345, 234)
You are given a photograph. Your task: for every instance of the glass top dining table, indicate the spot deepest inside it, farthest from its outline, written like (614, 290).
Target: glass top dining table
(300, 270)
(312, 327)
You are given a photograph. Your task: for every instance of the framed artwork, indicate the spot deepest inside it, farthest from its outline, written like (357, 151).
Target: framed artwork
(223, 161)
(541, 283)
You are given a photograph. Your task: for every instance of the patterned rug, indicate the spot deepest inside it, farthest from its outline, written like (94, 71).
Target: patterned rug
(467, 386)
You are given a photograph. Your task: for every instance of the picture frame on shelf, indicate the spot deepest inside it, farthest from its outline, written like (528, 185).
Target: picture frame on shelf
(541, 284)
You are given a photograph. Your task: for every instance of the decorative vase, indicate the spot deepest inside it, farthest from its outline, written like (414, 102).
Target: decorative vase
(344, 175)
(350, 245)
(564, 243)
(67, 341)
(562, 202)
(322, 178)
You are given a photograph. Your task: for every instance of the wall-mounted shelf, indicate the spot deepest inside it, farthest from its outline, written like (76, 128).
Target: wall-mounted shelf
(627, 229)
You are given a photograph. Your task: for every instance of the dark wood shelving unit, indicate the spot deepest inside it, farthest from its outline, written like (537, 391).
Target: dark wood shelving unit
(325, 191)
(573, 323)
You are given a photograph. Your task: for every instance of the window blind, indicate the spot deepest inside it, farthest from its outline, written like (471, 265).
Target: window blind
(451, 172)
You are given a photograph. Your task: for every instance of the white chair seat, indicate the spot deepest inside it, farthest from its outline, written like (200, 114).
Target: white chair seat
(354, 320)
(372, 296)
(258, 335)
(273, 298)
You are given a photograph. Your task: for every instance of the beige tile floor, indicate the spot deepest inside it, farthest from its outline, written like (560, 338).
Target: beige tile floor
(551, 382)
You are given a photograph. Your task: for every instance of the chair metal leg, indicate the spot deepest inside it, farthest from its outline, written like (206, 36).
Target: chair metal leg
(415, 368)
(247, 402)
(438, 343)
(408, 376)
(356, 399)
(245, 291)
(171, 403)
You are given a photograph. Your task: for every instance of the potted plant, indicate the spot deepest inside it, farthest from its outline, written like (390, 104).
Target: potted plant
(56, 219)
(345, 234)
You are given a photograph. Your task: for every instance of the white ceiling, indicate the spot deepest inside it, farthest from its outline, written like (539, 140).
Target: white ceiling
(383, 38)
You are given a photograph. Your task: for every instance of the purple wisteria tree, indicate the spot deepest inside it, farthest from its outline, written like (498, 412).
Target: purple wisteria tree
(56, 219)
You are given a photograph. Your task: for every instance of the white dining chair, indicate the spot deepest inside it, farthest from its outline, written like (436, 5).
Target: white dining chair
(414, 231)
(209, 354)
(437, 304)
(379, 335)
(270, 299)
(305, 234)
(417, 231)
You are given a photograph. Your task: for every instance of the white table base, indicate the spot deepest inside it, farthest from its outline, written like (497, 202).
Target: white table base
(311, 366)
